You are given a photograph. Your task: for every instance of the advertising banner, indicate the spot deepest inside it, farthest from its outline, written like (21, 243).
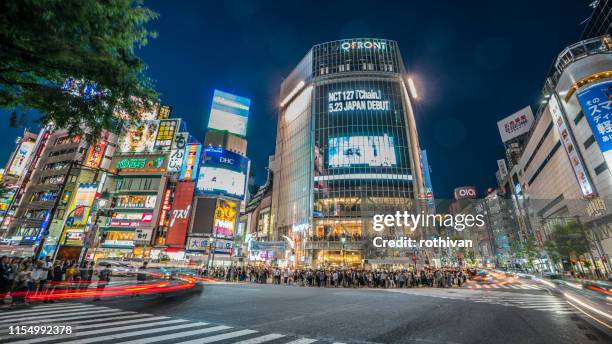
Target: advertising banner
(82, 202)
(516, 124)
(180, 213)
(225, 218)
(596, 102)
(189, 169)
(570, 148)
(219, 157)
(229, 112)
(177, 153)
(165, 134)
(138, 137)
(361, 150)
(21, 159)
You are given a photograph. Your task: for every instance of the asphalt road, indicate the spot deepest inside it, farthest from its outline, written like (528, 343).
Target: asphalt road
(521, 314)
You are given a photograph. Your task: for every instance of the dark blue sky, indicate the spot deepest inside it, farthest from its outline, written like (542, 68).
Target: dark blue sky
(473, 63)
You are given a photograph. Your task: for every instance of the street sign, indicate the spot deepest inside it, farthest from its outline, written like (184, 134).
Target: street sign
(70, 221)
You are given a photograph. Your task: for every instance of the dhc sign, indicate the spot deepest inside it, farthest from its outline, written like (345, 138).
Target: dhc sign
(378, 45)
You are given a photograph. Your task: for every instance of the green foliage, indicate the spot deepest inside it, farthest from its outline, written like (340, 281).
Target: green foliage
(517, 249)
(45, 42)
(551, 248)
(569, 238)
(531, 250)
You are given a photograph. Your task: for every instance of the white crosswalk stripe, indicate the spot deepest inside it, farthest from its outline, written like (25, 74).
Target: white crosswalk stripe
(97, 324)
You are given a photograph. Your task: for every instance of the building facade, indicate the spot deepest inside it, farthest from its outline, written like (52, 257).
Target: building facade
(346, 148)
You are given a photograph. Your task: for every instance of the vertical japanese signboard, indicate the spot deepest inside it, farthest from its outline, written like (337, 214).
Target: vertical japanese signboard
(570, 148)
(165, 134)
(189, 169)
(177, 154)
(96, 151)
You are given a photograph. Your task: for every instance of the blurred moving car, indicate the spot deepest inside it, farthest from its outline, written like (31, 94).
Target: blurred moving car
(483, 277)
(118, 268)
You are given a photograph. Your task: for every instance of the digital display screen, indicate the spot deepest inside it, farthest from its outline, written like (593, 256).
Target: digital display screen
(348, 151)
(229, 112)
(221, 181)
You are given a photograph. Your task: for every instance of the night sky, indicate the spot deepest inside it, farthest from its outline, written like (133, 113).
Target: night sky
(473, 65)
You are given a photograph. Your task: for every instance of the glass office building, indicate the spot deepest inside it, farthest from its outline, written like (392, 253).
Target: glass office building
(346, 148)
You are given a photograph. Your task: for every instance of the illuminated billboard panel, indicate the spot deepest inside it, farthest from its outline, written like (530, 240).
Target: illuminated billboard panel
(191, 160)
(225, 219)
(221, 181)
(138, 137)
(21, 159)
(348, 151)
(229, 112)
(82, 202)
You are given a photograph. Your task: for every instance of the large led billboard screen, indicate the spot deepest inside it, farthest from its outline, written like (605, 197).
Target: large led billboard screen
(348, 151)
(220, 181)
(222, 173)
(229, 112)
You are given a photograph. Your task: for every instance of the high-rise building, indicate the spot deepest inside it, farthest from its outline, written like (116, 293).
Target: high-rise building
(346, 148)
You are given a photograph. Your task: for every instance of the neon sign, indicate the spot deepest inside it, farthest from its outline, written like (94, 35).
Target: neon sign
(379, 45)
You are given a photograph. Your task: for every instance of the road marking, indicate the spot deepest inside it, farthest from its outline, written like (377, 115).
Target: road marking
(302, 341)
(110, 337)
(261, 339)
(178, 335)
(36, 311)
(219, 337)
(60, 315)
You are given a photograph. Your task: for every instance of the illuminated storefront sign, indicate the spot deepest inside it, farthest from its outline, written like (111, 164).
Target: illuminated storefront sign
(141, 164)
(190, 162)
(203, 244)
(357, 100)
(95, 153)
(229, 112)
(165, 207)
(351, 45)
(21, 159)
(361, 150)
(74, 237)
(465, 192)
(224, 220)
(570, 148)
(179, 215)
(165, 134)
(131, 219)
(135, 201)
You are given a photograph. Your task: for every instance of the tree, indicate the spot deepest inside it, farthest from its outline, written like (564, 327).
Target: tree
(551, 249)
(517, 249)
(47, 42)
(531, 250)
(569, 239)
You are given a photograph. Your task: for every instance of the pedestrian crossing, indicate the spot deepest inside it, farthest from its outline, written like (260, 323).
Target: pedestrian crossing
(508, 286)
(538, 302)
(97, 324)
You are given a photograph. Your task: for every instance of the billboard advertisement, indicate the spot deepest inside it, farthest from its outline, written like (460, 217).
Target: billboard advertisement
(180, 213)
(150, 163)
(138, 137)
(570, 148)
(177, 154)
(82, 202)
(229, 112)
(516, 124)
(21, 159)
(165, 134)
(596, 102)
(225, 219)
(361, 150)
(189, 168)
(219, 157)
(465, 192)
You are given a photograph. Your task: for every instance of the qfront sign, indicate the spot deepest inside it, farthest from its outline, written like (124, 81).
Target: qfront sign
(352, 45)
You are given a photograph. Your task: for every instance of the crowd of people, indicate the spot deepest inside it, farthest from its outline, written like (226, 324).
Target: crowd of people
(347, 278)
(22, 278)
